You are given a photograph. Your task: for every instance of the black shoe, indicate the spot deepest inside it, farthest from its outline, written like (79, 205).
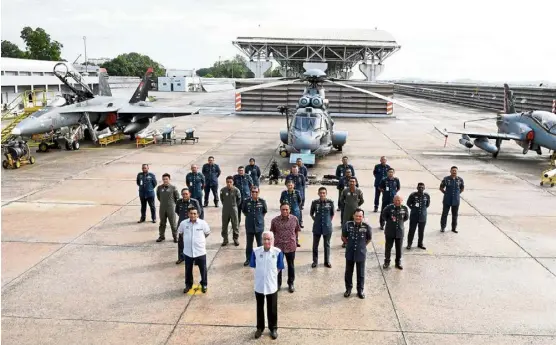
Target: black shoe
(313, 265)
(399, 266)
(291, 288)
(422, 246)
(454, 230)
(347, 293)
(298, 245)
(301, 226)
(246, 263)
(258, 334)
(179, 261)
(160, 239)
(225, 243)
(338, 210)
(206, 204)
(408, 247)
(376, 209)
(441, 229)
(382, 227)
(187, 288)
(273, 334)
(216, 204)
(236, 242)
(361, 294)
(204, 289)
(343, 245)
(175, 240)
(154, 220)
(327, 264)
(141, 221)
(386, 265)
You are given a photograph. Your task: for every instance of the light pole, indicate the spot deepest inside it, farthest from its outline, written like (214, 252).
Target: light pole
(86, 65)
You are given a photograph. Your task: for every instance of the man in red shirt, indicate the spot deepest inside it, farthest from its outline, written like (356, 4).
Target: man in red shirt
(285, 228)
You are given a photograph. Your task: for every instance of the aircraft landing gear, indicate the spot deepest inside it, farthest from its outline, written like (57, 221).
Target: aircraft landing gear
(339, 148)
(498, 144)
(283, 152)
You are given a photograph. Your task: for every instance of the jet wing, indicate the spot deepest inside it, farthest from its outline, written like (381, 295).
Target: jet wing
(502, 136)
(150, 110)
(89, 109)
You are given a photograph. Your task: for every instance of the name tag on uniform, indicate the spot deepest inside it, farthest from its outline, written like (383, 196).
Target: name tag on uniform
(227, 193)
(141, 182)
(394, 218)
(417, 205)
(387, 189)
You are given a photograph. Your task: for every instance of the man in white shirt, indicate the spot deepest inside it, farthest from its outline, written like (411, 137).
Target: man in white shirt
(194, 232)
(267, 262)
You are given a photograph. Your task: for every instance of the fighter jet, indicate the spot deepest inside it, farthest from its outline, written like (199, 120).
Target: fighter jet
(97, 112)
(531, 130)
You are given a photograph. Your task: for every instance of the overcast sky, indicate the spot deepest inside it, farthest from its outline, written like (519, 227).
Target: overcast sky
(441, 40)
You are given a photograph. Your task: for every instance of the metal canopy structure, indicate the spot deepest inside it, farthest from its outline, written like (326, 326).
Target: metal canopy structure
(341, 50)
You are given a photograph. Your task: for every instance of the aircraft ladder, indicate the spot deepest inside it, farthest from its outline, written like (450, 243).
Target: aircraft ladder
(29, 107)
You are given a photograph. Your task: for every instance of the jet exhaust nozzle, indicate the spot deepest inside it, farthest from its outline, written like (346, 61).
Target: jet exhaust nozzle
(466, 143)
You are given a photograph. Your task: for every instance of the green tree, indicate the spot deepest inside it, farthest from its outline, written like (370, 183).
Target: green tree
(273, 73)
(233, 68)
(203, 72)
(11, 50)
(132, 64)
(40, 46)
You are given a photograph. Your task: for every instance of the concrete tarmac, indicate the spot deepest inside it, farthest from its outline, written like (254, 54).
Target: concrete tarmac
(78, 269)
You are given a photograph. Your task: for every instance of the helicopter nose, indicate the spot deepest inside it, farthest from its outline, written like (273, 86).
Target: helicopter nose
(304, 142)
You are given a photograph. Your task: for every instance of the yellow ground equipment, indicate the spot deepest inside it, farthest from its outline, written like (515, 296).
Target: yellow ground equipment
(145, 141)
(32, 101)
(109, 139)
(17, 153)
(549, 175)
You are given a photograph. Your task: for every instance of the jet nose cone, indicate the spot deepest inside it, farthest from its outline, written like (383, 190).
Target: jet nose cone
(16, 131)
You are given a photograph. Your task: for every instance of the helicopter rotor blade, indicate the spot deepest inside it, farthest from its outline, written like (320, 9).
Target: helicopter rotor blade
(265, 85)
(377, 95)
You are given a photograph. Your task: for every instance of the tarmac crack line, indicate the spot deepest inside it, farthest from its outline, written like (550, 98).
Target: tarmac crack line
(470, 204)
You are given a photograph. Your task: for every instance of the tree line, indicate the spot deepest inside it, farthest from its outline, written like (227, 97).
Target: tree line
(40, 46)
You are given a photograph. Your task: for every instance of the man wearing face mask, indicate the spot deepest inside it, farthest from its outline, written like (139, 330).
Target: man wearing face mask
(394, 215)
(418, 202)
(182, 210)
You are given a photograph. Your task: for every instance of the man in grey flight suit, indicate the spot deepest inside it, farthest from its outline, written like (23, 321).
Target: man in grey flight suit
(451, 186)
(167, 196)
(322, 212)
(195, 181)
(182, 210)
(351, 199)
(231, 201)
(254, 210)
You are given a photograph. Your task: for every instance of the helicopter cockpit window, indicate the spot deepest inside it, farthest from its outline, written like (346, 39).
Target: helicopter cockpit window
(306, 123)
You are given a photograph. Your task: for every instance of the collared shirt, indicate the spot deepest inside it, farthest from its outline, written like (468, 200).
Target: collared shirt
(390, 188)
(418, 203)
(341, 170)
(303, 171)
(146, 183)
(395, 216)
(167, 196)
(194, 237)
(254, 172)
(285, 231)
(231, 198)
(211, 172)
(298, 182)
(380, 171)
(454, 187)
(344, 183)
(254, 212)
(293, 199)
(182, 208)
(267, 265)
(243, 183)
(322, 212)
(357, 236)
(195, 183)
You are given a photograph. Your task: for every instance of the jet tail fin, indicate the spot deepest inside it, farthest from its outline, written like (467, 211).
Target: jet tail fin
(142, 90)
(509, 100)
(103, 86)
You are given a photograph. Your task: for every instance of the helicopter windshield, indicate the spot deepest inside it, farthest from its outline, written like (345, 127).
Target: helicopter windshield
(306, 123)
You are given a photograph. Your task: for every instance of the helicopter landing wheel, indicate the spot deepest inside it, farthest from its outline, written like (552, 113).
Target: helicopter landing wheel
(284, 154)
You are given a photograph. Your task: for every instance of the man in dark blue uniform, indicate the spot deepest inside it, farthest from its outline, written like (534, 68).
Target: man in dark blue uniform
(182, 209)
(380, 172)
(358, 235)
(293, 198)
(302, 168)
(299, 183)
(195, 181)
(418, 202)
(254, 172)
(211, 172)
(341, 172)
(244, 183)
(389, 187)
(254, 209)
(394, 215)
(451, 186)
(146, 181)
(322, 212)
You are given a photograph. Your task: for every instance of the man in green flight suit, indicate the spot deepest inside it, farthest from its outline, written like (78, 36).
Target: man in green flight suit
(167, 196)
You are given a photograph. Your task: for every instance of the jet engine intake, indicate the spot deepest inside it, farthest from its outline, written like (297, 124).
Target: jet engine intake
(486, 145)
(466, 143)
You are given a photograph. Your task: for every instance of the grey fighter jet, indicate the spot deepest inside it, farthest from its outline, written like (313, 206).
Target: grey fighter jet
(96, 112)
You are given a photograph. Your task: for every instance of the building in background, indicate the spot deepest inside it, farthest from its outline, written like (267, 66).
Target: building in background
(179, 80)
